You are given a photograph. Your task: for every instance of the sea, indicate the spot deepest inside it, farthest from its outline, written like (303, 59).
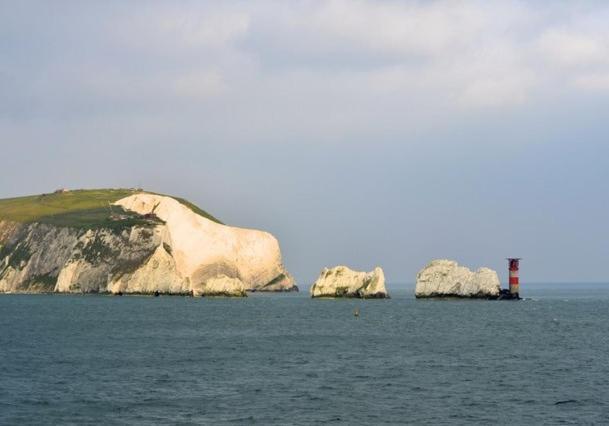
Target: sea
(285, 359)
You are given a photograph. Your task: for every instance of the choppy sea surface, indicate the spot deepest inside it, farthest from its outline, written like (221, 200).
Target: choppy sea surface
(286, 359)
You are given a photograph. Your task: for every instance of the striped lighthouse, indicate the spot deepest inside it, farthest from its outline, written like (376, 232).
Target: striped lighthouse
(514, 263)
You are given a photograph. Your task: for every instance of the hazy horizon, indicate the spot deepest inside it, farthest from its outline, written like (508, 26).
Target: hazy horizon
(361, 133)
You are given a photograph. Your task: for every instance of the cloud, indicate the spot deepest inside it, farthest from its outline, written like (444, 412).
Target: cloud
(593, 82)
(381, 55)
(494, 92)
(164, 26)
(199, 84)
(399, 28)
(574, 48)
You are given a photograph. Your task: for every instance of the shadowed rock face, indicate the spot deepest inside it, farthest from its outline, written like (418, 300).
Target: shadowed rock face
(39, 258)
(445, 278)
(341, 281)
(186, 254)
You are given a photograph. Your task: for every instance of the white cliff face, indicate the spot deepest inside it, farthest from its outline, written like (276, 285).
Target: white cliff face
(157, 274)
(187, 254)
(445, 278)
(341, 281)
(203, 249)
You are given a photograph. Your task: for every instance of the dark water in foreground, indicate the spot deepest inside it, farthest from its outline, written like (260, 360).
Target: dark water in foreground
(286, 359)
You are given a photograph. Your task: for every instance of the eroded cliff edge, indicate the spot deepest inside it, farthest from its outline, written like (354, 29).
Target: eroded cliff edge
(148, 243)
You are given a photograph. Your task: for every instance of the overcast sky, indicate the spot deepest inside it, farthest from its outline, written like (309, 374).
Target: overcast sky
(358, 132)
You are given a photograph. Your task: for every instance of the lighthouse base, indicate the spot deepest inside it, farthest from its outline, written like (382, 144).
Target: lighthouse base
(507, 295)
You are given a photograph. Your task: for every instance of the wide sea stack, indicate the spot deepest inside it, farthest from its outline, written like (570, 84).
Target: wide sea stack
(445, 278)
(341, 281)
(129, 241)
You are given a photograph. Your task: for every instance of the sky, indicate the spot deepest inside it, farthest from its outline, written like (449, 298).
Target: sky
(358, 132)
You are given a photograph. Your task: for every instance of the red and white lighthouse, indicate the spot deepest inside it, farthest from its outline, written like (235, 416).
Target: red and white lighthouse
(514, 263)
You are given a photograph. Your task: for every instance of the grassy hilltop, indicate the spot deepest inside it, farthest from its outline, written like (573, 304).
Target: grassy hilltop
(80, 209)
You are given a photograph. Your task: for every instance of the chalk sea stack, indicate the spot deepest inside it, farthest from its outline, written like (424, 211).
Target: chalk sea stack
(129, 241)
(445, 278)
(341, 281)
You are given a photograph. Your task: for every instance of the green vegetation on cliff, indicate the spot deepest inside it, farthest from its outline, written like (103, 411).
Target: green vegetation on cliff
(80, 209)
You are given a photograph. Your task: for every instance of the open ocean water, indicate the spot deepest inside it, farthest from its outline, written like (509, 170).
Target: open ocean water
(286, 359)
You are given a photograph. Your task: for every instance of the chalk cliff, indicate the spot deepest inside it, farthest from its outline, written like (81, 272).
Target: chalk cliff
(445, 278)
(157, 244)
(341, 281)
